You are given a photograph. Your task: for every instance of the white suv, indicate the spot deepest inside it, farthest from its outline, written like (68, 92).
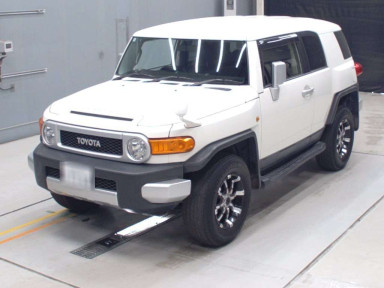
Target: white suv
(198, 113)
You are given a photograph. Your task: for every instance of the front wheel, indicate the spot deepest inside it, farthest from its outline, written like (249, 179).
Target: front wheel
(339, 141)
(216, 210)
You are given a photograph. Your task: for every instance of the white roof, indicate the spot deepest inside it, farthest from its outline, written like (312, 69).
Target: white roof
(237, 27)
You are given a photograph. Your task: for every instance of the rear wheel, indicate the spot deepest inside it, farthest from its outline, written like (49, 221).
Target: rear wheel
(339, 141)
(216, 210)
(75, 205)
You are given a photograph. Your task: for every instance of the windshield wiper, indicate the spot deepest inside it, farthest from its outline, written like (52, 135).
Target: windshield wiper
(171, 77)
(134, 74)
(222, 80)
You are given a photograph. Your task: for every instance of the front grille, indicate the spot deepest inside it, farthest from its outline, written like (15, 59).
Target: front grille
(105, 184)
(96, 143)
(52, 172)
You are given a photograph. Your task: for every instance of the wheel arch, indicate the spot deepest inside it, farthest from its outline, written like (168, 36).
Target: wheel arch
(348, 97)
(243, 144)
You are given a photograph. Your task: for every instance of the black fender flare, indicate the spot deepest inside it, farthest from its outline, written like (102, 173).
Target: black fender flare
(336, 101)
(200, 160)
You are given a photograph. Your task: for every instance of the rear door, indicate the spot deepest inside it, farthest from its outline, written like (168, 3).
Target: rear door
(319, 77)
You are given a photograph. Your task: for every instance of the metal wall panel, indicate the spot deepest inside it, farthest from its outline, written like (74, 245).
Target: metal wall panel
(79, 42)
(246, 7)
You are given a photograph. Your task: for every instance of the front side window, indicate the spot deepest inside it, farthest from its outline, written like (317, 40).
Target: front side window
(215, 61)
(286, 52)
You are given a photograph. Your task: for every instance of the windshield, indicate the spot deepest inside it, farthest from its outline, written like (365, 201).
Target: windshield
(208, 61)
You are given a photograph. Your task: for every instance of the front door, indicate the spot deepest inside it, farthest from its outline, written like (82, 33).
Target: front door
(287, 120)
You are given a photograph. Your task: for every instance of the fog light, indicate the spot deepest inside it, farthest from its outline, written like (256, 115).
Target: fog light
(138, 149)
(49, 135)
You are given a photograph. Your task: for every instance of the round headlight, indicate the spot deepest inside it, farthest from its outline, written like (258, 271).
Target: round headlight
(48, 135)
(138, 149)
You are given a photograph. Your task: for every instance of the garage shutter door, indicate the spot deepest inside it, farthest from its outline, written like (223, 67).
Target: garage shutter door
(363, 25)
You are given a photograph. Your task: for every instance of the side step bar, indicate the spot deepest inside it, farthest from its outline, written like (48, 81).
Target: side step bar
(293, 164)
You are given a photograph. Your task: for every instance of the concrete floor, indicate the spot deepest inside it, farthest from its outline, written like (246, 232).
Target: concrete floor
(312, 229)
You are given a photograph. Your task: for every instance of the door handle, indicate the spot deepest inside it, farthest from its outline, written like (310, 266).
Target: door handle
(308, 91)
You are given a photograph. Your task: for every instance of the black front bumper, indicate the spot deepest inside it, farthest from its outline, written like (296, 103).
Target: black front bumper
(129, 178)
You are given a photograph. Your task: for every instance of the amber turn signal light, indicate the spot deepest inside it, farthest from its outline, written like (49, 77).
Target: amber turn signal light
(41, 122)
(171, 145)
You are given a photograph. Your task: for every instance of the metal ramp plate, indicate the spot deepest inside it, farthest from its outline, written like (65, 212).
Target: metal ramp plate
(111, 241)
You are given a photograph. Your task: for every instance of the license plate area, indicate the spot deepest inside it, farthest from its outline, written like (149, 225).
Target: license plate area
(77, 176)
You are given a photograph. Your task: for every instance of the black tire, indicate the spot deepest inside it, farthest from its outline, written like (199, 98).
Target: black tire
(73, 204)
(339, 141)
(206, 223)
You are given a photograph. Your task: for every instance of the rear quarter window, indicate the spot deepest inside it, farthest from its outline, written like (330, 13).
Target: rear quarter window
(315, 52)
(343, 44)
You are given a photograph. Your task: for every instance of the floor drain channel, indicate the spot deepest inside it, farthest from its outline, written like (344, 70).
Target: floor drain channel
(114, 240)
(100, 246)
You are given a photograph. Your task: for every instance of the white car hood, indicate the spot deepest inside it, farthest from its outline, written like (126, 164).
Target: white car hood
(149, 103)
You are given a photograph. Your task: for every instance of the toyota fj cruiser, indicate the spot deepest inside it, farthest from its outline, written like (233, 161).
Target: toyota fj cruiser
(198, 113)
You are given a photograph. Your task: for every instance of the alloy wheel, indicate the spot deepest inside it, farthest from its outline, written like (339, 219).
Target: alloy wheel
(343, 140)
(229, 205)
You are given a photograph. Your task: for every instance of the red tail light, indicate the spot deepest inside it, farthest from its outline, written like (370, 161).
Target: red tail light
(359, 68)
